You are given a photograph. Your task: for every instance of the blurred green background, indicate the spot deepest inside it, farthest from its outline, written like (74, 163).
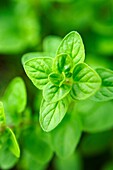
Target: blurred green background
(39, 25)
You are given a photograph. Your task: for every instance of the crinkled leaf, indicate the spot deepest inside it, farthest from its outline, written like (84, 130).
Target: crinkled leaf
(51, 114)
(13, 145)
(52, 93)
(38, 69)
(106, 90)
(62, 63)
(2, 116)
(66, 137)
(72, 45)
(86, 82)
(56, 79)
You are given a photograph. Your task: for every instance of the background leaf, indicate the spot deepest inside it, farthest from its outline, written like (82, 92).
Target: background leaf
(66, 137)
(86, 82)
(2, 115)
(72, 45)
(14, 100)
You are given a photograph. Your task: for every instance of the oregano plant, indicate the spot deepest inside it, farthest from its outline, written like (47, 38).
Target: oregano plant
(65, 78)
(62, 78)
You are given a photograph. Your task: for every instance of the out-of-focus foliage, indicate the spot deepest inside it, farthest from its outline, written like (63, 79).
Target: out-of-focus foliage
(39, 25)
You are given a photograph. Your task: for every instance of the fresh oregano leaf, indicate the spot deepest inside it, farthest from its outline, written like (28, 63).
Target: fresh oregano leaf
(13, 145)
(56, 79)
(86, 82)
(66, 137)
(73, 46)
(38, 69)
(106, 90)
(62, 63)
(52, 93)
(51, 114)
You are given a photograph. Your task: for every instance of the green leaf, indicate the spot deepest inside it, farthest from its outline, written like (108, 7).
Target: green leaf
(73, 162)
(86, 82)
(7, 159)
(2, 117)
(13, 145)
(66, 137)
(62, 63)
(38, 149)
(52, 93)
(15, 100)
(95, 116)
(72, 45)
(56, 79)
(38, 69)
(51, 114)
(15, 96)
(106, 90)
(51, 43)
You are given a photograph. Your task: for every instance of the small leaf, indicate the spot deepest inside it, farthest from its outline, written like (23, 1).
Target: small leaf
(72, 45)
(52, 93)
(62, 63)
(86, 82)
(13, 145)
(2, 116)
(15, 100)
(106, 90)
(66, 137)
(15, 96)
(38, 69)
(56, 79)
(51, 114)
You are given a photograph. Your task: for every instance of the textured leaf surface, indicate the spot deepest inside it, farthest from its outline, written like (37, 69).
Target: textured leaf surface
(106, 90)
(86, 82)
(56, 79)
(51, 114)
(13, 145)
(52, 93)
(38, 69)
(72, 45)
(66, 137)
(62, 63)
